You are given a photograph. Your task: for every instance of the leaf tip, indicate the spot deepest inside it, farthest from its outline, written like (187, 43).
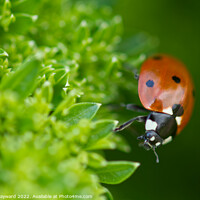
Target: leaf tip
(115, 122)
(136, 164)
(98, 105)
(6, 54)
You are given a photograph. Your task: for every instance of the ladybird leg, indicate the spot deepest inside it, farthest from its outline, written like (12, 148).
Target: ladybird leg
(134, 107)
(136, 74)
(128, 123)
(134, 70)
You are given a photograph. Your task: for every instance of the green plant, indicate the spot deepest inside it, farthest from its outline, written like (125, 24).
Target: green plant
(57, 57)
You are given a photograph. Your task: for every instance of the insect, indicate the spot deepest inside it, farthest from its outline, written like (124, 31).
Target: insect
(165, 89)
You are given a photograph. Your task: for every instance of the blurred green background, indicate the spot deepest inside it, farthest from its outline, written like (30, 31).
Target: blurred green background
(176, 23)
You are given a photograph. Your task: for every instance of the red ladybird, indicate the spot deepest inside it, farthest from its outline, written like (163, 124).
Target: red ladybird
(166, 89)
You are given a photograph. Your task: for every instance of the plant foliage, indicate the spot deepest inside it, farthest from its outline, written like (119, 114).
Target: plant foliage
(56, 59)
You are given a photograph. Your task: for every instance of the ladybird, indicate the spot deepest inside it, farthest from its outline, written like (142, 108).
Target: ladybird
(166, 90)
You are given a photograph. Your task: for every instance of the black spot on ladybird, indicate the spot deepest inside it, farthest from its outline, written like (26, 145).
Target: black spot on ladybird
(150, 83)
(157, 57)
(176, 79)
(177, 110)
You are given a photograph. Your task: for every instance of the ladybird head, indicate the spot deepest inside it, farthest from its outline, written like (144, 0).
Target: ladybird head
(151, 141)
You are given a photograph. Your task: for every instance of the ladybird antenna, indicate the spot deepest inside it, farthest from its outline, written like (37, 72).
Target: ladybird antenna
(157, 158)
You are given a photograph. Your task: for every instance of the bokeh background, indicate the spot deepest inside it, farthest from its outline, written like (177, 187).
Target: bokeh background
(176, 23)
